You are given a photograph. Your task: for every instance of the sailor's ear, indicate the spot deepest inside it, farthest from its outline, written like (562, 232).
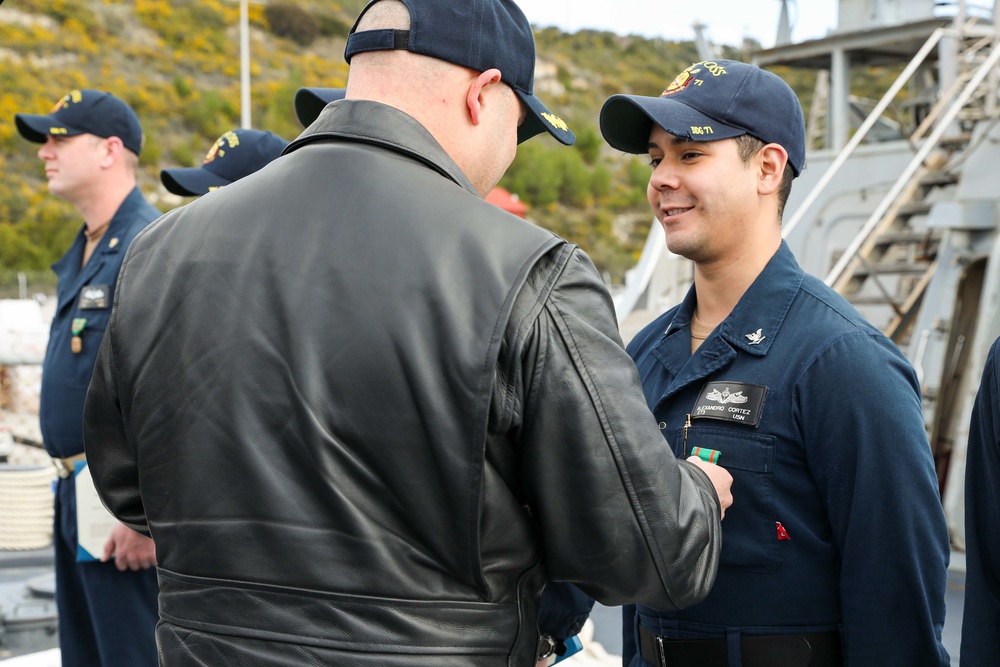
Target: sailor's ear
(111, 151)
(770, 163)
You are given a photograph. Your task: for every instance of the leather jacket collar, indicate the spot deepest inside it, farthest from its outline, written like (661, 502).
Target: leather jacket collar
(381, 125)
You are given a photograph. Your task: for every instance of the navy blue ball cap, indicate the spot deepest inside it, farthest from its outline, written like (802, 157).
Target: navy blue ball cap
(479, 35)
(712, 100)
(235, 154)
(309, 102)
(84, 112)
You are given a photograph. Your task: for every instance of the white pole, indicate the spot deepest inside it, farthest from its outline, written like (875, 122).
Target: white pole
(244, 66)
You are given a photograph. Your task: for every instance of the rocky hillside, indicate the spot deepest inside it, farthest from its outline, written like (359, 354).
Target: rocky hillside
(177, 63)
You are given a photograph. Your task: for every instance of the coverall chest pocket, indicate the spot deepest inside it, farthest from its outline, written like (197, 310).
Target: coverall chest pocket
(749, 537)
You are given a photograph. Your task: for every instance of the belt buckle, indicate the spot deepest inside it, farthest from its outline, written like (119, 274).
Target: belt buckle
(63, 470)
(661, 651)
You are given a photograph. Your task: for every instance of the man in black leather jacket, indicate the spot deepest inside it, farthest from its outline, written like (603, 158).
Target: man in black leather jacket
(364, 414)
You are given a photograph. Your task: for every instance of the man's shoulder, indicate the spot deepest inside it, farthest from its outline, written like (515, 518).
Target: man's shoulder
(650, 333)
(825, 322)
(147, 213)
(138, 213)
(993, 356)
(828, 310)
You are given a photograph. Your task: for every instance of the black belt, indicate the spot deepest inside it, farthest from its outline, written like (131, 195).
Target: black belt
(816, 649)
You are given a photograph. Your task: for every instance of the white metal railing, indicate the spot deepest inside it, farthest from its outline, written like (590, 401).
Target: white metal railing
(859, 136)
(918, 159)
(947, 8)
(638, 278)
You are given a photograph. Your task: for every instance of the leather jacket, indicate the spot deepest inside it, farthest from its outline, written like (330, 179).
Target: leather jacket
(366, 415)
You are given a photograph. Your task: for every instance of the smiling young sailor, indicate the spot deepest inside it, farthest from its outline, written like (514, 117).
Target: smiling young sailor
(837, 551)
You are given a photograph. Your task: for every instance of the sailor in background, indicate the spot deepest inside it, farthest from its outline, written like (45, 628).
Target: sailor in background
(981, 620)
(837, 550)
(90, 146)
(235, 154)
(309, 102)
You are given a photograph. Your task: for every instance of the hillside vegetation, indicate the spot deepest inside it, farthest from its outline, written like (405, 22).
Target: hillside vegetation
(177, 63)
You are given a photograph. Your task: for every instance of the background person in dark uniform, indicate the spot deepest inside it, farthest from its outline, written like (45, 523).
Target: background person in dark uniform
(981, 619)
(90, 146)
(237, 153)
(309, 102)
(837, 551)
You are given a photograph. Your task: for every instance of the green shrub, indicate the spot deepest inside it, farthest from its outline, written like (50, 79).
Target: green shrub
(332, 26)
(600, 182)
(210, 112)
(273, 107)
(207, 18)
(574, 189)
(292, 22)
(183, 155)
(588, 143)
(182, 85)
(40, 236)
(151, 152)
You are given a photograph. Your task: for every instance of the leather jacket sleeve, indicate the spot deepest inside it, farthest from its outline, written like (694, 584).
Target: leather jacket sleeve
(618, 514)
(117, 478)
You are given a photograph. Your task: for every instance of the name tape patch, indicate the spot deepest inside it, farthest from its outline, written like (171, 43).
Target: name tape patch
(94, 297)
(732, 402)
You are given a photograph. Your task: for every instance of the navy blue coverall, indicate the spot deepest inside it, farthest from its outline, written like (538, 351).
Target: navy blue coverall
(106, 617)
(981, 620)
(836, 523)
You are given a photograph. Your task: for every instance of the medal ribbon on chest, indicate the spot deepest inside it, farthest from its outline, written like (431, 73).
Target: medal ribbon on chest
(76, 344)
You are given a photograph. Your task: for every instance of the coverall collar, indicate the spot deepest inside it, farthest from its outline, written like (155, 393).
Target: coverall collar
(71, 276)
(753, 324)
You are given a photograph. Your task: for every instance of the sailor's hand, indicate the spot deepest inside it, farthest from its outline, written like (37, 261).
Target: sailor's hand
(131, 550)
(721, 480)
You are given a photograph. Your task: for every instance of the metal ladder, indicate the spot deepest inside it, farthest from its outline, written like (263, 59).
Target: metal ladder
(818, 112)
(891, 261)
